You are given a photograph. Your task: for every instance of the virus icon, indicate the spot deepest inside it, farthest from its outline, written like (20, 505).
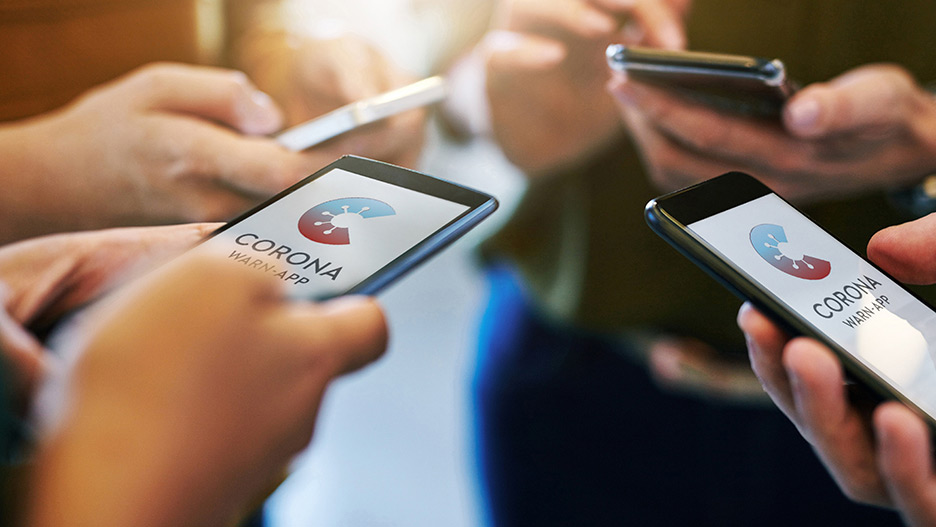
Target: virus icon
(771, 242)
(342, 220)
(787, 250)
(332, 222)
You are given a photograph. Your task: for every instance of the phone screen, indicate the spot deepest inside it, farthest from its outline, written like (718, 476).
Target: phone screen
(844, 297)
(330, 234)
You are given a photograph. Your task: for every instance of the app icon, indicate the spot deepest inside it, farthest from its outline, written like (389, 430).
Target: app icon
(770, 241)
(331, 222)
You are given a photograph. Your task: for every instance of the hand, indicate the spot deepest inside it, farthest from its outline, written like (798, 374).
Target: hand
(870, 128)
(546, 73)
(48, 277)
(884, 459)
(196, 387)
(166, 143)
(689, 366)
(310, 76)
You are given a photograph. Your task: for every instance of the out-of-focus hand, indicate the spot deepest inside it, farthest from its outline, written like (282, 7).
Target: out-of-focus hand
(196, 387)
(870, 128)
(310, 76)
(47, 277)
(884, 458)
(165, 143)
(546, 73)
(689, 366)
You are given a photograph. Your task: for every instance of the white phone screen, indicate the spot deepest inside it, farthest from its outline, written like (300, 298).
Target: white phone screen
(334, 232)
(844, 297)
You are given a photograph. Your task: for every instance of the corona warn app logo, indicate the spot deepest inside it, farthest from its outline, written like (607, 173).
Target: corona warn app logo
(770, 241)
(332, 222)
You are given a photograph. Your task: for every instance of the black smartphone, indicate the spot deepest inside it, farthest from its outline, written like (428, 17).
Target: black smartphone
(747, 85)
(354, 226)
(766, 251)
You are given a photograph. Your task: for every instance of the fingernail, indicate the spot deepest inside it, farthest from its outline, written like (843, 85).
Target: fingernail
(261, 116)
(803, 115)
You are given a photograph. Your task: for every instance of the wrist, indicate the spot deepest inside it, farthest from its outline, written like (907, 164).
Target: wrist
(25, 175)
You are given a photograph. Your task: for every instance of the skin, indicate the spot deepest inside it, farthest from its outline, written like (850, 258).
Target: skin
(170, 143)
(311, 75)
(867, 129)
(881, 457)
(545, 56)
(165, 143)
(185, 406)
(44, 278)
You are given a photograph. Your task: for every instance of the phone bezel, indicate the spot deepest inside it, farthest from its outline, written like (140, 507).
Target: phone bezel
(670, 215)
(480, 206)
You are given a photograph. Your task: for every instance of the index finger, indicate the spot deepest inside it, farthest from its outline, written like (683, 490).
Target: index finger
(252, 166)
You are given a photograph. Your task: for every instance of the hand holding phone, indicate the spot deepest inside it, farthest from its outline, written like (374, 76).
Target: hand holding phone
(764, 250)
(885, 460)
(352, 227)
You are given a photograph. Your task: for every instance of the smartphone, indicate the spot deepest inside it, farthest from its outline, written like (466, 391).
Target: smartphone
(366, 111)
(746, 85)
(766, 251)
(354, 226)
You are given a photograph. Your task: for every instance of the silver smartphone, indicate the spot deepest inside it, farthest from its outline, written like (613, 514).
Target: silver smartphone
(366, 111)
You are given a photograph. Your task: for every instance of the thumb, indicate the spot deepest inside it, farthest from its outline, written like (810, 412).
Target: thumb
(906, 251)
(352, 330)
(869, 99)
(226, 96)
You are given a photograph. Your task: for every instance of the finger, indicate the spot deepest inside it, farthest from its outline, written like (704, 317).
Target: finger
(765, 343)
(23, 356)
(661, 24)
(352, 331)
(106, 259)
(561, 18)
(836, 430)
(872, 99)
(669, 164)
(907, 251)
(680, 6)
(254, 166)
(731, 139)
(225, 96)
(508, 52)
(906, 462)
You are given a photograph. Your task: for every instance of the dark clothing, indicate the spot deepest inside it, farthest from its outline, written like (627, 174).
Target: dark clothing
(571, 434)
